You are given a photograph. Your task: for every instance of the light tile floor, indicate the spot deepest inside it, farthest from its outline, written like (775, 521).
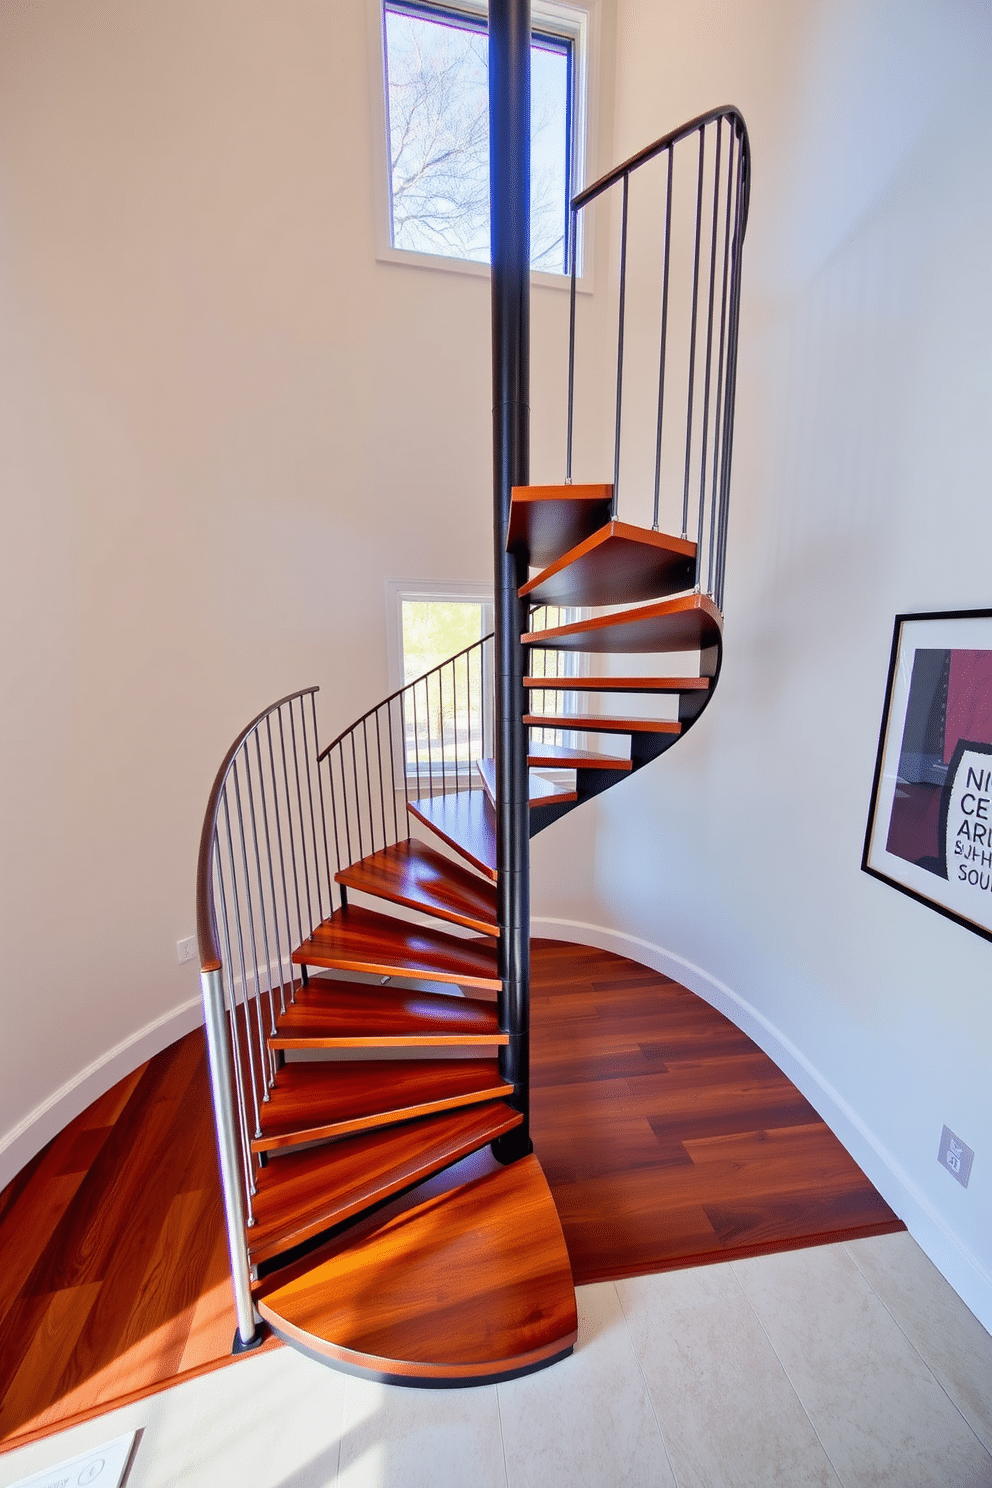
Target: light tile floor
(851, 1365)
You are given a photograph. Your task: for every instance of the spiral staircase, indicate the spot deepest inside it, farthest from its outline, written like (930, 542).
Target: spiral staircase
(385, 1211)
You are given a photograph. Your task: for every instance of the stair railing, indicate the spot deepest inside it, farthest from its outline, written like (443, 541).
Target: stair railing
(424, 740)
(263, 882)
(694, 278)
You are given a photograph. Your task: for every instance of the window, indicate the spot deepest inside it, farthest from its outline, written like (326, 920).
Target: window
(437, 129)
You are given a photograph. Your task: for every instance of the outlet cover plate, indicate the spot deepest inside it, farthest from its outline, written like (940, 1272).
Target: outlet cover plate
(956, 1156)
(103, 1467)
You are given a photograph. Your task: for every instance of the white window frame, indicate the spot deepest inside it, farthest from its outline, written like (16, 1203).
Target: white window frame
(573, 20)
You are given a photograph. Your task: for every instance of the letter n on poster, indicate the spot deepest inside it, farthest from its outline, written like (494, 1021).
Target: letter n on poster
(930, 823)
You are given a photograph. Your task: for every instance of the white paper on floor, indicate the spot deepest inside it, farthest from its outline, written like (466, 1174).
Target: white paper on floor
(102, 1467)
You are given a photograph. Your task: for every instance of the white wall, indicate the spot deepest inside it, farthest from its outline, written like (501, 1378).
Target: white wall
(861, 489)
(223, 425)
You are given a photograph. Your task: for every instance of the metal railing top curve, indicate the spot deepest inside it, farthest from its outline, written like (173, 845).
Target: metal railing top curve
(206, 927)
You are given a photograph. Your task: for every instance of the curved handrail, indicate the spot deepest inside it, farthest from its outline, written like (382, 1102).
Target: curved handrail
(641, 157)
(407, 687)
(206, 928)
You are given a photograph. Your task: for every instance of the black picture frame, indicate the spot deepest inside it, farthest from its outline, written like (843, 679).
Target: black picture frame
(929, 828)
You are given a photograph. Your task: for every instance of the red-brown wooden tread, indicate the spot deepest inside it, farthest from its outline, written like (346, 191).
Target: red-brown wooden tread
(465, 820)
(415, 874)
(346, 1015)
(618, 684)
(619, 564)
(301, 1194)
(355, 939)
(688, 623)
(596, 723)
(556, 756)
(549, 520)
(470, 1285)
(312, 1102)
(541, 792)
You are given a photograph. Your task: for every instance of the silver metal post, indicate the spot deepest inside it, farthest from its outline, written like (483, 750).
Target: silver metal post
(212, 990)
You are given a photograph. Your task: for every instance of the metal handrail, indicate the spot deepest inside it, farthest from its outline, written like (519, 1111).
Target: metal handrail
(710, 294)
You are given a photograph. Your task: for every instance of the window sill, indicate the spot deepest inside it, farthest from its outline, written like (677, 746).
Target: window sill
(436, 261)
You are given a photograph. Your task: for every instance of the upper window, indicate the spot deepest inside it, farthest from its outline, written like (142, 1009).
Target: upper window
(437, 97)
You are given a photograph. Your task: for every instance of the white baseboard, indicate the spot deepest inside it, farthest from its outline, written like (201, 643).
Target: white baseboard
(957, 1264)
(19, 1145)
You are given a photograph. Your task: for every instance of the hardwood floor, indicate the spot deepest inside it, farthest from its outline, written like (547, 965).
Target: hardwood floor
(667, 1138)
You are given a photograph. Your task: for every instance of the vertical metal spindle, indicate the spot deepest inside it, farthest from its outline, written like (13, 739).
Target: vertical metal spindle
(571, 346)
(357, 796)
(250, 790)
(620, 331)
(430, 747)
(244, 973)
(368, 781)
(390, 731)
(256, 997)
(382, 783)
(740, 209)
(416, 734)
(272, 878)
(344, 802)
(301, 933)
(404, 725)
(664, 337)
(440, 719)
(709, 355)
(313, 816)
(320, 798)
(301, 818)
(718, 442)
(212, 992)
(228, 965)
(692, 339)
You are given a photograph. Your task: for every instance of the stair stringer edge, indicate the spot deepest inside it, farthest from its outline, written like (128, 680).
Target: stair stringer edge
(956, 1262)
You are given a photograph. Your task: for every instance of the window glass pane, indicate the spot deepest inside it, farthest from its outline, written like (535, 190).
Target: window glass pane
(435, 629)
(438, 105)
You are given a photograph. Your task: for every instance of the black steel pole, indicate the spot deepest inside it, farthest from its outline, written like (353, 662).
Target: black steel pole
(509, 173)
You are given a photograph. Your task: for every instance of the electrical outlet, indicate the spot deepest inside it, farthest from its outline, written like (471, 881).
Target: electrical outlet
(956, 1156)
(186, 949)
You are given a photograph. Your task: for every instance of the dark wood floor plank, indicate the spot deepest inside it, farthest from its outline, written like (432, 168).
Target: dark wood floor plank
(667, 1138)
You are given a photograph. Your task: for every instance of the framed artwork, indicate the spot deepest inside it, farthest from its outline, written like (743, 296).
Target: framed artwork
(930, 821)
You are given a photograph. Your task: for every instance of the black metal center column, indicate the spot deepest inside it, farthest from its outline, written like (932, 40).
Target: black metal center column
(509, 171)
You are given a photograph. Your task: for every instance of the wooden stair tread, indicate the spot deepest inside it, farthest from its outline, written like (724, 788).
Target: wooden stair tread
(312, 1102)
(417, 875)
(541, 792)
(556, 756)
(465, 820)
(355, 939)
(470, 1285)
(619, 564)
(301, 1194)
(688, 623)
(618, 684)
(346, 1015)
(592, 723)
(547, 521)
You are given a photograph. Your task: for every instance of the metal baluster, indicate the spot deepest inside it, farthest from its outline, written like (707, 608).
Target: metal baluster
(256, 998)
(571, 350)
(357, 796)
(692, 344)
(301, 933)
(392, 768)
(406, 778)
(735, 291)
(439, 673)
(664, 337)
(261, 908)
(709, 354)
(430, 749)
(239, 1084)
(721, 369)
(368, 781)
(301, 818)
(244, 973)
(620, 330)
(281, 854)
(320, 797)
(313, 818)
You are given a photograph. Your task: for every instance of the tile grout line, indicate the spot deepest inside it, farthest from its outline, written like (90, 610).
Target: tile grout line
(645, 1385)
(791, 1383)
(931, 1370)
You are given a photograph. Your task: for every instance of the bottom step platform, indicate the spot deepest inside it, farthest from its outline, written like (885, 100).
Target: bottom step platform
(469, 1286)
